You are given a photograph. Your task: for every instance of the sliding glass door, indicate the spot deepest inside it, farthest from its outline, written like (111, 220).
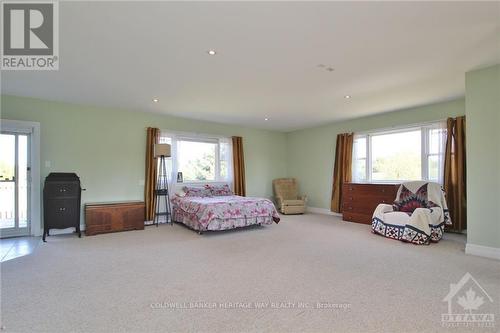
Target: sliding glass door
(14, 184)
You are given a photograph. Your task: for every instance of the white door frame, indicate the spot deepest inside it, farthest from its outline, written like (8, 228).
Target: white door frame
(35, 199)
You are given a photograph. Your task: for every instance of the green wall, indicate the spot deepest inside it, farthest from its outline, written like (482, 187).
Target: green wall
(106, 147)
(483, 156)
(311, 152)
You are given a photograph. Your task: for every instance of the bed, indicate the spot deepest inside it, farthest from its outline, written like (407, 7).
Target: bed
(216, 208)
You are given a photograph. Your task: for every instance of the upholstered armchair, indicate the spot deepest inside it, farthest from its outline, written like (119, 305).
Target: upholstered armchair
(418, 214)
(286, 192)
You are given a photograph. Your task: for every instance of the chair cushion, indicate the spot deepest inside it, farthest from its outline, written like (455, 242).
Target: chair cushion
(293, 202)
(396, 218)
(293, 210)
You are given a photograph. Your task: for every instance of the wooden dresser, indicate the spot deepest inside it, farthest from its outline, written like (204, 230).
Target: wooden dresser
(360, 200)
(114, 216)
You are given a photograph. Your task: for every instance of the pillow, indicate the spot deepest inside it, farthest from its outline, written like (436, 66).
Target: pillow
(192, 191)
(220, 190)
(181, 193)
(409, 201)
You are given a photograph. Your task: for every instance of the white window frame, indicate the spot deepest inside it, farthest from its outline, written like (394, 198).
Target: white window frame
(424, 128)
(199, 137)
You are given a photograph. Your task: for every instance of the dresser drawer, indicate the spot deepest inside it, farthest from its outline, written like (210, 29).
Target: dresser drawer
(357, 217)
(61, 189)
(369, 189)
(368, 199)
(61, 213)
(359, 208)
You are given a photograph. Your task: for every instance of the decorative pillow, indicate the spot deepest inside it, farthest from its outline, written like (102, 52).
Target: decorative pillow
(409, 201)
(180, 194)
(192, 191)
(220, 190)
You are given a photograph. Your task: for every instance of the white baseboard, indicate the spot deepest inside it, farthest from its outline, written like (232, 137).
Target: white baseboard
(482, 251)
(323, 211)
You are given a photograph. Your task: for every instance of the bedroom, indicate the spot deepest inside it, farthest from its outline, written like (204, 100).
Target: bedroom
(287, 87)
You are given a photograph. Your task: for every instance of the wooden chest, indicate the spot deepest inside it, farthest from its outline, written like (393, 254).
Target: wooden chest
(114, 216)
(360, 200)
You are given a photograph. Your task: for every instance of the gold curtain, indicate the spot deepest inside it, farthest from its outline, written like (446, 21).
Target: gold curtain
(153, 137)
(455, 184)
(238, 166)
(342, 172)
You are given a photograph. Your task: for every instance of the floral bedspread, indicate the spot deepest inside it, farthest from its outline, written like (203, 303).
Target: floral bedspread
(223, 212)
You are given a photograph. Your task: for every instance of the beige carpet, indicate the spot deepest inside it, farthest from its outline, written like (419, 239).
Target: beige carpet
(108, 283)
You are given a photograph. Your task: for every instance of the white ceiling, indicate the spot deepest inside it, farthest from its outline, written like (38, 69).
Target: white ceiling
(387, 55)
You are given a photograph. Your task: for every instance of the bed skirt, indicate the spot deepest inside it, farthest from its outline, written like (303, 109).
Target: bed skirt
(190, 220)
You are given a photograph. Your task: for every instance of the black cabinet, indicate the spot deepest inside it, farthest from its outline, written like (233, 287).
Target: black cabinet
(61, 202)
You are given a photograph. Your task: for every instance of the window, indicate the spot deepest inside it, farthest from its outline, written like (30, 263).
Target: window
(200, 158)
(415, 153)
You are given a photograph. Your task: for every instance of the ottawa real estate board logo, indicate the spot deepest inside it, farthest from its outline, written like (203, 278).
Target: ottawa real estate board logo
(469, 305)
(30, 36)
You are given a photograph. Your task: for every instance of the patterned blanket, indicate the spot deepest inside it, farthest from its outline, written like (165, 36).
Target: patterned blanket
(223, 212)
(418, 215)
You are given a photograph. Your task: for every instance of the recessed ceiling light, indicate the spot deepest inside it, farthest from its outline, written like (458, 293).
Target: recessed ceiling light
(212, 52)
(266, 119)
(156, 100)
(347, 96)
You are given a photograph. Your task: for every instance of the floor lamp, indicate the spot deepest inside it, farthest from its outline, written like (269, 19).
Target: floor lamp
(162, 198)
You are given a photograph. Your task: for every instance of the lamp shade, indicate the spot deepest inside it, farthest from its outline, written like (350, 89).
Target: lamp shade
(162, 149)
